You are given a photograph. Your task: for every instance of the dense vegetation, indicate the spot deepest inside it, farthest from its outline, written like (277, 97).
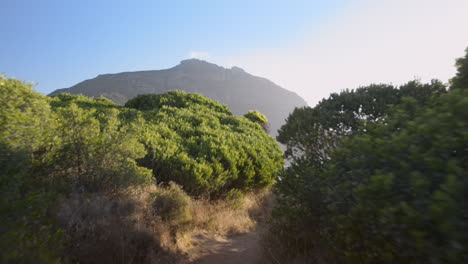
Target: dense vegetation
(26, 235)
(377, 175)
(65, 153)
(199, 144)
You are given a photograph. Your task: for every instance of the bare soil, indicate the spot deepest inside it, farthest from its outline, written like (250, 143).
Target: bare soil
(239, 248)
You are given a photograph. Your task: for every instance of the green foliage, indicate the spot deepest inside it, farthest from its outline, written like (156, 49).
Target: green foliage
(24, 115)
(176, 99)
(461, 78)
(173, 205)
(203, 147)
(65, 100)
(396, 194)
(258, 118)
(72, 146)
(26, 234)
(78, 144)
(378, 183)
(311, 135)
(314, 132)
(97, 152)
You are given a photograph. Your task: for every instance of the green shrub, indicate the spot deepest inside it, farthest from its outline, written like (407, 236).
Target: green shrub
(176, 99)
(185, 138)
(25, 118)
(173, 205)
(397, 194)
(360, 185)
(63, 145)
(198, 144)
(258, 118)
(460, 81)
(27, 235)
(95, 150)
(394, 194)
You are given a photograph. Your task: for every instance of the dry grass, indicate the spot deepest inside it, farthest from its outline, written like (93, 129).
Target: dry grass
(119, 228)
(221, 218)
(129, 228)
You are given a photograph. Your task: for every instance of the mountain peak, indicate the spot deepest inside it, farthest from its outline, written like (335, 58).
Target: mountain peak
(237, 69)
(192, 60)
(198, 65)
(231, 86)
(195, 62)
(202, 65)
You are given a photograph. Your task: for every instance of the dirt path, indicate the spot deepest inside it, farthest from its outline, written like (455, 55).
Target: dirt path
(242, 248)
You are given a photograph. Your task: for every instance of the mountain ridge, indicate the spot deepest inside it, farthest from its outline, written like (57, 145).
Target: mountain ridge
(235, 87)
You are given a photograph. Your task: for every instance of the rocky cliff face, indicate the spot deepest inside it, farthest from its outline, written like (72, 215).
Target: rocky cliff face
(234, 87)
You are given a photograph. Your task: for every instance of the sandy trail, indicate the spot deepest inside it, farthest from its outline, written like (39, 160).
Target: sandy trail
(241, 248)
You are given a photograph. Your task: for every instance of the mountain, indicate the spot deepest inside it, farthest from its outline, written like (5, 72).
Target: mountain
(234, 87)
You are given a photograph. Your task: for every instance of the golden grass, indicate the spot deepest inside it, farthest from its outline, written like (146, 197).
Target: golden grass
(128, 223)
(220, 218)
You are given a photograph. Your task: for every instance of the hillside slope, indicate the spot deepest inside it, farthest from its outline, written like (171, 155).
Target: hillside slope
(234, 87)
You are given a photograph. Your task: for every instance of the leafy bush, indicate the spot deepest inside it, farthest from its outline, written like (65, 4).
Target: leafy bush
(173, 205)
(311, 133)
(96, 150)
(78, 144)
(88, 152)
(396, 194)
(258, 118)
(198, 144)
(377, 176)
(460, 80)
(26, 233)
(176, 99)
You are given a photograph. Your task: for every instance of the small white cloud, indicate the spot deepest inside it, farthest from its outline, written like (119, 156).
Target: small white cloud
(202, 55)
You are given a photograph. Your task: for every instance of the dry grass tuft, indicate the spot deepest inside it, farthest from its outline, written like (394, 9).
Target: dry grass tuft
(222, 218)
(151, 224)
(173, 206)
(218, 217)
(104, 228)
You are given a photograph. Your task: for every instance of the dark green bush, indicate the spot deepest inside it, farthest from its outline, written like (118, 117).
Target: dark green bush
(173, 205)
(386, 187)
(460, 81)
(397, 194)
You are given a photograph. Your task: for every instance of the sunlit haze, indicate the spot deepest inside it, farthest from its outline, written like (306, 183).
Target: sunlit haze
(390, 41)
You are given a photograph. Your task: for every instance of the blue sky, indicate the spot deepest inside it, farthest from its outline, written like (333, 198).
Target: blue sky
(308, 46)
(58, 43)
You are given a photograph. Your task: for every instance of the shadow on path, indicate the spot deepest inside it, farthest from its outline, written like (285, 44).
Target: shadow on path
(242, 248)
